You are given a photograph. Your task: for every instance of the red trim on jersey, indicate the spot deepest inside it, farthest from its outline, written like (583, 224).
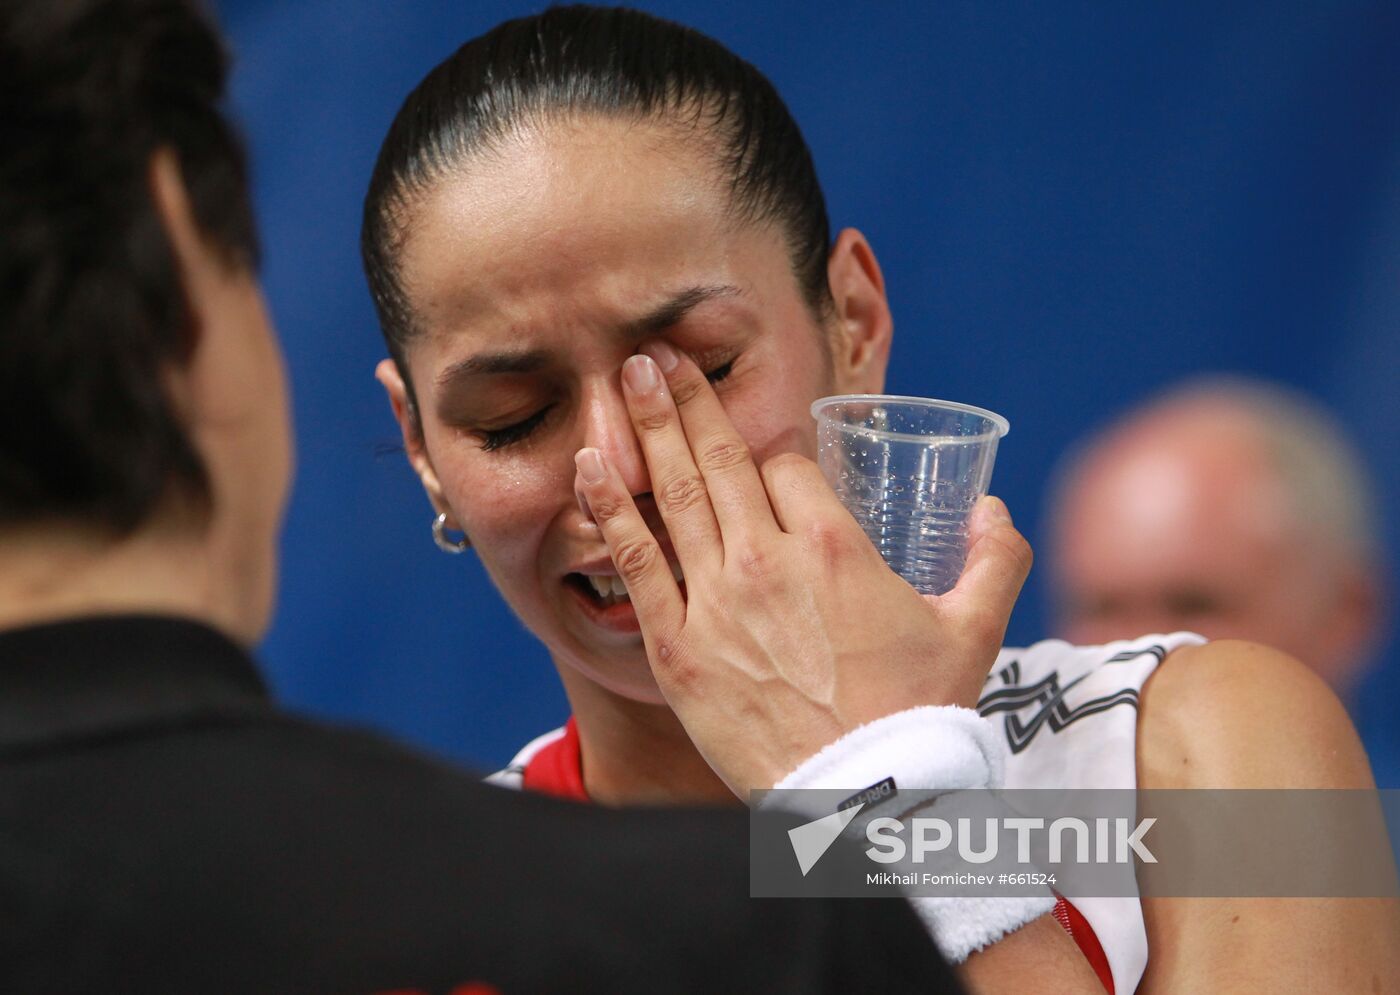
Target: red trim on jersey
(557, 769)
(1083, 935)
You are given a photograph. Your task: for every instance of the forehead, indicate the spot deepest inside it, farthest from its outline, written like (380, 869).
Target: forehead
(575, 217)
(1176, 501)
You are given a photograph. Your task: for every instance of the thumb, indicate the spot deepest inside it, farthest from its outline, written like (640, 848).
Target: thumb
(998, 560)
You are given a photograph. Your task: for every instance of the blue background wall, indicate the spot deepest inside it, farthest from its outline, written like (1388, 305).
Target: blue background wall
(1074, 204)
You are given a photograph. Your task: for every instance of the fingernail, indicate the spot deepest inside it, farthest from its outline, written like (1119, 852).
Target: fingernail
(590, 466)
(665, 356)
(996, 509)
(641, 374)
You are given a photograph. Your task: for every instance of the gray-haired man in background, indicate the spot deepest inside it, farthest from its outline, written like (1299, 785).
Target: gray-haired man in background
(1226, 506)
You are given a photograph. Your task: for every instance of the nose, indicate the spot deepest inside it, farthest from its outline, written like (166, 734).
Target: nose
(607, 427)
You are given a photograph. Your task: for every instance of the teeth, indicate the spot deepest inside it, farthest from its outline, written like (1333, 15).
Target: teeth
(611, 590)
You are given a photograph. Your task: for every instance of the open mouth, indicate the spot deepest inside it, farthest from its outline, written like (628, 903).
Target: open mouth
(606, 591)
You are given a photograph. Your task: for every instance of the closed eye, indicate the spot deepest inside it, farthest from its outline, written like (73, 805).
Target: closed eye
(498, 438)
(720, 372)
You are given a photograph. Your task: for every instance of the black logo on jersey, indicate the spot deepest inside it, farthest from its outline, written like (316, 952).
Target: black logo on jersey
(1047, 697)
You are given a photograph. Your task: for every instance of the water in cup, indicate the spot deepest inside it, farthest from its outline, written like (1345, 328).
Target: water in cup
(910, 471)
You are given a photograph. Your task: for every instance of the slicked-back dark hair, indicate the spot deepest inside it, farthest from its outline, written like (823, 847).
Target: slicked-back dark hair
(593, 60)
(91, 308)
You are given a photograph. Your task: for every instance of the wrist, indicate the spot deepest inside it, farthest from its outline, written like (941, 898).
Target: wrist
(942, 747)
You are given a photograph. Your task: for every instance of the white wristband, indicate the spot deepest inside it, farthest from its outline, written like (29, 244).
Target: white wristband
(943, 747)
(962, 926)
(922, 753)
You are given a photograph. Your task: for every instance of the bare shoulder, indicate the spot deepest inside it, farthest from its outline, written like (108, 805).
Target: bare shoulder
(1240, 715)
(1233, 714)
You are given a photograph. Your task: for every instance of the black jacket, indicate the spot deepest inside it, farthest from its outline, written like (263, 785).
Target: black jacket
(165, 828)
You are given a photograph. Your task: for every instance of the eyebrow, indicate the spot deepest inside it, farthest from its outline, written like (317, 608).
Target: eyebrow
(668, 314)
(531, 360)
(525, 361)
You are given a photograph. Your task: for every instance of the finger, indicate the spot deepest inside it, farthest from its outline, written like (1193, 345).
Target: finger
(998, 562)
(676, 482)
(737, 493)
(800, 495)
(640, 562)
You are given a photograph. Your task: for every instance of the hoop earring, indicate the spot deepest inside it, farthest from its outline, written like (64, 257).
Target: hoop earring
(445, 544)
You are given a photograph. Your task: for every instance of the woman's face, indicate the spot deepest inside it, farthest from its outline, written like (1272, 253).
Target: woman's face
(533, 272)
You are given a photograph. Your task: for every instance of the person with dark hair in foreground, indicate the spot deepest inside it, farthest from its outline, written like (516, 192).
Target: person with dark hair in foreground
(605, 276)
(163, 826)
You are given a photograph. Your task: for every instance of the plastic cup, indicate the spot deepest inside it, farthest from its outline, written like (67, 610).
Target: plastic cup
(910, 469)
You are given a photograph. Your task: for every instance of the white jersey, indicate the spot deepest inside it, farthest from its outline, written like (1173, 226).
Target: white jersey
(1068, 715)
(513, 774)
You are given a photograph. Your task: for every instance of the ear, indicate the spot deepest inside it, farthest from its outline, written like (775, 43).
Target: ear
(201, 273)
(228, 387)
(199, 265)
(861, 342)
(1360, 619)
(388, 375)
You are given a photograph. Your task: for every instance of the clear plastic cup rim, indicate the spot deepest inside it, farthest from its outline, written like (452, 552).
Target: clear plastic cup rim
(1001, 425)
